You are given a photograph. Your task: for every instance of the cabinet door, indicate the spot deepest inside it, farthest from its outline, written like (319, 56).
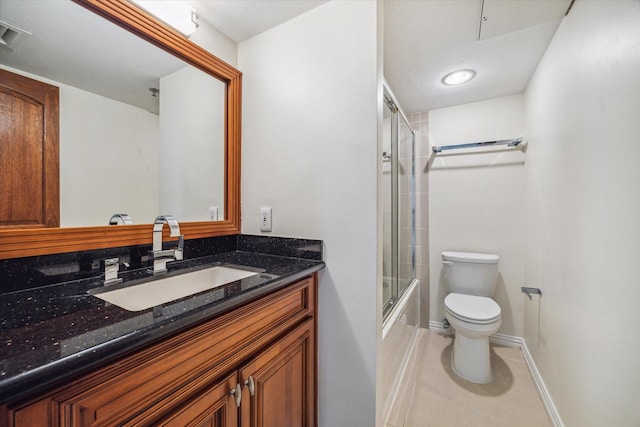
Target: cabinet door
(280, 383)
(215, 407)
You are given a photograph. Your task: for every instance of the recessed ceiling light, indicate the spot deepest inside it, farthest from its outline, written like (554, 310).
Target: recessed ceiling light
(458, 77)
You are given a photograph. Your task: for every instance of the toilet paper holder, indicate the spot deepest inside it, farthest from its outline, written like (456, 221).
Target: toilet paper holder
(530, 291)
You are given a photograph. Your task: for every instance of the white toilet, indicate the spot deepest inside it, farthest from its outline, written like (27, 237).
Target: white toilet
(471, 281)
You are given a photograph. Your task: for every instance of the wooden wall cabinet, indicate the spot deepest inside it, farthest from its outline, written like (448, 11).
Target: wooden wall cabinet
(254, 366)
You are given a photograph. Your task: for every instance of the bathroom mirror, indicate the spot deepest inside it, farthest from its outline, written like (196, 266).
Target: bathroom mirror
(100, 147)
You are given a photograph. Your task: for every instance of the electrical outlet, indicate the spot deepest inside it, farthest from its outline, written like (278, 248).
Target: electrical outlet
(265, 219)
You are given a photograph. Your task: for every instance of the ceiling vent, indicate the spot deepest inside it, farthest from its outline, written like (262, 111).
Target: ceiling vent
(11, 37)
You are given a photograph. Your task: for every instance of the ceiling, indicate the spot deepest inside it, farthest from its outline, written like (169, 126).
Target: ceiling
(426, 39)
(241, 20)
(423, 41)
(70, 45)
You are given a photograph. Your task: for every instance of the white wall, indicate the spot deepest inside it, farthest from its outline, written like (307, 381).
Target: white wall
(583, 211)
(311, 111)
(108, 160)
(192, 130)
(476, 200)
(189, 184)
(209, 38)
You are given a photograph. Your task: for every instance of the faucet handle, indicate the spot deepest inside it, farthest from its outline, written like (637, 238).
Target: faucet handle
(112, 262)
(111, 267)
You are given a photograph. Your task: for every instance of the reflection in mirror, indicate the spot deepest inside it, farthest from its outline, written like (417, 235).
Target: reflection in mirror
(27, 241)
(125, 115)
(120, 218)
(192, 165)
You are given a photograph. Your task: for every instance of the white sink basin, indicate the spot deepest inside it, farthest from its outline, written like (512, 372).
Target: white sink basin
(150, 294)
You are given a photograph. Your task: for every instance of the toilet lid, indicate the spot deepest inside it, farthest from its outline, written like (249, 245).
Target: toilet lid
(472, 308)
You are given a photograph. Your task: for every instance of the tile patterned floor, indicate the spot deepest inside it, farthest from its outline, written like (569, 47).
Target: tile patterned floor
(434, 396)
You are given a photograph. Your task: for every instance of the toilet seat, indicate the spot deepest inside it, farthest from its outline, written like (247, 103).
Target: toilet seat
(472, 309)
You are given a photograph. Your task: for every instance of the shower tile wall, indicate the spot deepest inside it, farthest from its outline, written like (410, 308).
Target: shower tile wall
(420, 124)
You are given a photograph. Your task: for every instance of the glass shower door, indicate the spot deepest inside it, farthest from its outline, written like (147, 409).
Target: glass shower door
(398, 195)
(406, 205)
(389, 215)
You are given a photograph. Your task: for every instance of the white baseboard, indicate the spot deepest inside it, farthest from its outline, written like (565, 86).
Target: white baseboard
(511, 341)
(549, 406)
(506, 340)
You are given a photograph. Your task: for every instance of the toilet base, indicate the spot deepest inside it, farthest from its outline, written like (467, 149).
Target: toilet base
(471, 359)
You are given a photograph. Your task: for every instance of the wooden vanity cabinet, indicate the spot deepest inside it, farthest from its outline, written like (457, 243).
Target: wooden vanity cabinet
(253, 366)
(214, 407)
(279, 392)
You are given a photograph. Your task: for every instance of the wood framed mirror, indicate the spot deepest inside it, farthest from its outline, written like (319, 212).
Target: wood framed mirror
(23, 242)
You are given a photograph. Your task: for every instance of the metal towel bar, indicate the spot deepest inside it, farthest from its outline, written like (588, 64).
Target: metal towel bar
(509, 142)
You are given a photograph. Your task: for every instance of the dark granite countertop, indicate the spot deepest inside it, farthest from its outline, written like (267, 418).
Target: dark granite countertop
(54, 331)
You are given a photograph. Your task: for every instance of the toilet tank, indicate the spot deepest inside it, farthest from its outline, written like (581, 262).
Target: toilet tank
(470, 273)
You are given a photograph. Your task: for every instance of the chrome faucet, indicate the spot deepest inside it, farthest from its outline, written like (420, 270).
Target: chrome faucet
(159, 256)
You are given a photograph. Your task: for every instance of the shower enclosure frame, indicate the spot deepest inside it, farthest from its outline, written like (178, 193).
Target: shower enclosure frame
(399, 192)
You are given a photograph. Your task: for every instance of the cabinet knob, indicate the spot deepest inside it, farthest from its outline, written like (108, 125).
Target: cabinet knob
(249, 382)
(237, 394)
